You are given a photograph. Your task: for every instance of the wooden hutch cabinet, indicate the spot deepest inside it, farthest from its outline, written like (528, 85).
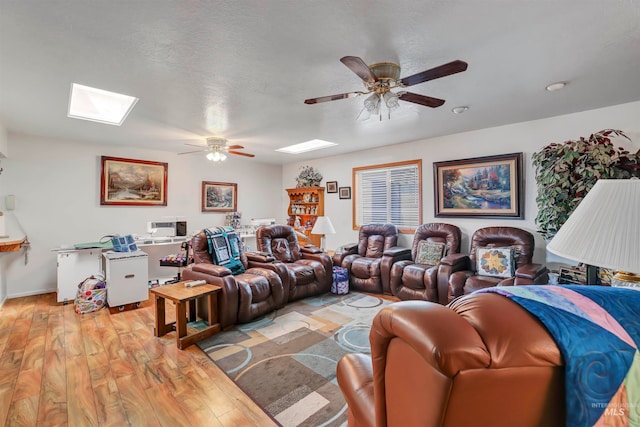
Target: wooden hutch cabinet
(307, 204)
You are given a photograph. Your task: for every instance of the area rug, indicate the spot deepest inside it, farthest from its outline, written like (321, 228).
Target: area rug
(286, 361)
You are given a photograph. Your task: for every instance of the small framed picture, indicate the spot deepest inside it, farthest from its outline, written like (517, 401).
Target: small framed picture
(219, 196)
(332, 186)
(345, 192)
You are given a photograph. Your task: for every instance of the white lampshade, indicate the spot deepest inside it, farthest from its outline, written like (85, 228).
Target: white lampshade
(604, 230)
(323, 226)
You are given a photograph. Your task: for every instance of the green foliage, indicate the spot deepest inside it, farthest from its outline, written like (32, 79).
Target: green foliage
(566, 172)
(309, 177)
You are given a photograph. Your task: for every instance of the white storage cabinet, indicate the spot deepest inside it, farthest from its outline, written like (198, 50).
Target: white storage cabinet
(74, 266)
(127, 278)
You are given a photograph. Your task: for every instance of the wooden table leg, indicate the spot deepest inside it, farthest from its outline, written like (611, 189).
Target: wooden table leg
(212, 306)
(192, 310)
(181, 321)
(160, 328)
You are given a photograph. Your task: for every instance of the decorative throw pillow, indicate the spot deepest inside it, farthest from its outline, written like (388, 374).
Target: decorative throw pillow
(495, 262)
(429, 253)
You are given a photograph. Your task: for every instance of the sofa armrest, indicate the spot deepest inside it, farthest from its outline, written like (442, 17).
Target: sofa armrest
(324, 259)
(348, 249)
(355, 378)
(449, 265)
(389, 258)
(457, 261)
(260, 256)
(310, 249)
(530, 274)
(228, 299)
(398, 252)
(211, 269)
(404, 333)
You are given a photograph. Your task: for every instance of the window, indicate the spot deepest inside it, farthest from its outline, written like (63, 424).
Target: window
(389, 193)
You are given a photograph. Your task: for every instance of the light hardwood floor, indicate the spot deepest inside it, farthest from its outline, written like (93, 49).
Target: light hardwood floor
(107, 368)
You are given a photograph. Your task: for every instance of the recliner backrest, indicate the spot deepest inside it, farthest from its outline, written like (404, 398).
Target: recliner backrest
(521, 240)
(437, 232)
(280, 241)
(374, 239)
(200, 248)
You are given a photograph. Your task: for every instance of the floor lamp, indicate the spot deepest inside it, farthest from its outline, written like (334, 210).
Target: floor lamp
(323, 226)
(604, 231)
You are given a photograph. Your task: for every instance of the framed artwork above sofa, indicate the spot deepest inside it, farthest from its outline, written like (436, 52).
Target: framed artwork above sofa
(489, 187)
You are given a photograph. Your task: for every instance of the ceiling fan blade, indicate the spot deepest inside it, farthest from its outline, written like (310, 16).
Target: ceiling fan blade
(196, 151)
(195, 145)
(234, 147)
(427, 101)
(239, 153)
(435, 73)
(359, 67)
(330, 98)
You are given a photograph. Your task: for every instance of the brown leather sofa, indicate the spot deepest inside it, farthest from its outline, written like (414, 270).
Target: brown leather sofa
(244, 297)
(367, 270)
(307, 270)
(458, 272)
(481, 361)
(410, 280)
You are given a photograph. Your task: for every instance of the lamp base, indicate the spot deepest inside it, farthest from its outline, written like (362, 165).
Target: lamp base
(626, 280)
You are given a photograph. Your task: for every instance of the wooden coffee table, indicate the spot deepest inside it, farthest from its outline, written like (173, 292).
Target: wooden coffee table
(181, 295)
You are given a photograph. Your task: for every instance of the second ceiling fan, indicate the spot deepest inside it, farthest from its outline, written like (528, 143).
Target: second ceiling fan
(379, 79)
(217, 147)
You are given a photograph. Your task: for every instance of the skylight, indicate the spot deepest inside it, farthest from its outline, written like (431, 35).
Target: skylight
(303, 147)
(97, 105)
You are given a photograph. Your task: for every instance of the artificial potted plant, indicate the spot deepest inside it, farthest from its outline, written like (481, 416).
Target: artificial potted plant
(566, 172)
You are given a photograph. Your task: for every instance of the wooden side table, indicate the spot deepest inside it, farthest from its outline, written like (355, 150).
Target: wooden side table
(182, 295)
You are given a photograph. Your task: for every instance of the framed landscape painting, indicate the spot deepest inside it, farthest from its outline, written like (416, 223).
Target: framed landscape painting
(219, 196)
(489, 187)
(130, 182)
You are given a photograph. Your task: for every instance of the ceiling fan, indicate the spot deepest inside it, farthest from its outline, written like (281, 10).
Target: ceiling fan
(379, 79)
(217, 147)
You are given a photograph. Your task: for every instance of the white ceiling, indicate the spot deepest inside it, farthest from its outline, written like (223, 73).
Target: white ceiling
(242, 69)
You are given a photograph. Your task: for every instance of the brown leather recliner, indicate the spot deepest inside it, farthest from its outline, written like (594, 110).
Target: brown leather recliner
(466, 364)
(245, 296)
(458, 272)
(363, 260)
(307, 269)
(410, 280)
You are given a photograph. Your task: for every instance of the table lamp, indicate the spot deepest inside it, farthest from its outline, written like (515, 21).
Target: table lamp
(604, 231)
(323, 226)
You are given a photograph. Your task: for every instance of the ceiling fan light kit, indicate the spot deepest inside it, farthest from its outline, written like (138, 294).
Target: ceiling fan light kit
(379, 79)
(218, 149)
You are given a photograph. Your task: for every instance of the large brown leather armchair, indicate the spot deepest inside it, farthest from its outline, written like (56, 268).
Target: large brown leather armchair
(245, 296)
(459, 272)
(410, 280)
(466, 364)
(363, 260)
(308, 270)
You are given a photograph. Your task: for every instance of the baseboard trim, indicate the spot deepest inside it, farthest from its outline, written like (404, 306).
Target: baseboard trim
(31, 293)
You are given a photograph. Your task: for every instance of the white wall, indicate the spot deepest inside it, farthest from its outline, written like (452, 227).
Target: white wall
(527, 137)
(4, 144)
(56, 184)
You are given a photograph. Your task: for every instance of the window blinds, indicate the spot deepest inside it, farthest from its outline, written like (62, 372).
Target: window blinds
(388, 195)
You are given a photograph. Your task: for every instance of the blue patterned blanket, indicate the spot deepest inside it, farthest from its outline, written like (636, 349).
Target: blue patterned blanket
(224, 248)
(597, 329)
